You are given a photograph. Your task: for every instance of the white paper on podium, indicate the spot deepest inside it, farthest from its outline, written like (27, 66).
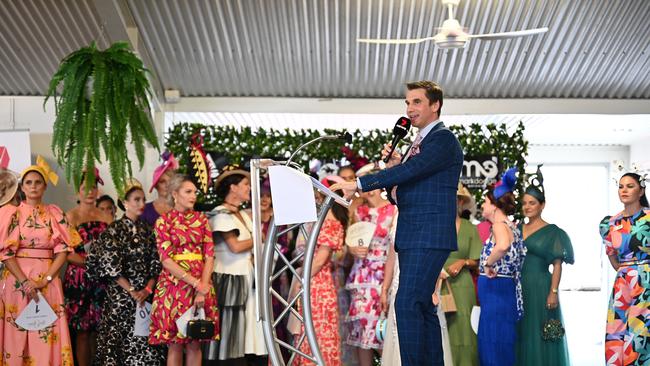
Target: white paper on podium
(293, 196)
(142, 320)
(36, 316)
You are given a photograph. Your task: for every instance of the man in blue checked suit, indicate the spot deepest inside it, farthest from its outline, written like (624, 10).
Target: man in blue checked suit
(423, 184)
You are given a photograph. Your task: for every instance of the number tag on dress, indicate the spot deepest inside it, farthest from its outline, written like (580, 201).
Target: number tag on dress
(142, 320)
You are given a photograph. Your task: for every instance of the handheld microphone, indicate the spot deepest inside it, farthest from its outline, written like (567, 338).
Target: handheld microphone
(401, 129)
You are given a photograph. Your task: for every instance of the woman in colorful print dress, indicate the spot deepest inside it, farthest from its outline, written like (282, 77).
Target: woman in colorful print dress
(627, 243)
(499, 283)
(546, 245)
(84, 297)
(126, 260)
(324, 306)
(233, 277)
(367, 276)
(186, 251)
(462, 338)
(161, 176)
(35, 239)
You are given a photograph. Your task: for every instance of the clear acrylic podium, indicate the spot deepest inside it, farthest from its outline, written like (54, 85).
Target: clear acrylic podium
(267, 254)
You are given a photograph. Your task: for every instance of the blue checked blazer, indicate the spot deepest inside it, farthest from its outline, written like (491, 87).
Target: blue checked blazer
(426, 192)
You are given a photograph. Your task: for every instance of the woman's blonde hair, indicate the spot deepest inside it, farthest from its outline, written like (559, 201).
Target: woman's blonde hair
(175, 184)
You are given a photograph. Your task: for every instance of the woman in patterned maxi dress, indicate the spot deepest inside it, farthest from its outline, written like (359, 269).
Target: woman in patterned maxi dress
(324, 304)
(367, 276)
(34, 241)
(127, 261)
(186, 252)
(499, 283)
(627, 242)
(84, 297)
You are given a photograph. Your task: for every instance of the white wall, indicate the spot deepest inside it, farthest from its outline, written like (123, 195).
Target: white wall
(28, 113)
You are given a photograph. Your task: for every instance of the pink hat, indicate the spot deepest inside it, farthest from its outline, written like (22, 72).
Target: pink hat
(169, 162)
(332, 178)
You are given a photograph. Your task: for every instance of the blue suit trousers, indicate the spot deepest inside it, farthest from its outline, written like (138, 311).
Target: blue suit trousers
(418, 327)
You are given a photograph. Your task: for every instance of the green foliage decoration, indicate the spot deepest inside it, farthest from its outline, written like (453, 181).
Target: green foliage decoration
(510, 149)
(104, 99)
(241, 143)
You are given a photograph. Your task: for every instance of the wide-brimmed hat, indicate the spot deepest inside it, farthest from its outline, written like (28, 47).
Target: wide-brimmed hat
(42, 168)
(229, 170)
(463, 193)
(8, 190)
(169, 163)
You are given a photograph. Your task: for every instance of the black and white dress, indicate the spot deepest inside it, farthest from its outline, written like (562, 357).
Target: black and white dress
(128, 249)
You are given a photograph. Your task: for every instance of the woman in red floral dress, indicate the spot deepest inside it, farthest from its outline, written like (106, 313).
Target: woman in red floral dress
(324, 305)
(186, 251)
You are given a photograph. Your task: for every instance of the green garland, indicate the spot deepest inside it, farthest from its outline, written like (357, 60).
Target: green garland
(238, 144)
(117, 107)
(510, 150)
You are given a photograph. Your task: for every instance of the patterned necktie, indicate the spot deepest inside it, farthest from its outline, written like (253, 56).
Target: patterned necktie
(415, 149)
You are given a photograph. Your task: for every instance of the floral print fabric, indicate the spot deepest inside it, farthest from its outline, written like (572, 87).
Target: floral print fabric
(180, 233)
(83, 296)
(367, 277)
(510, 264)
(324, 306)
(627, 339)
(126, 249)
(33, 227)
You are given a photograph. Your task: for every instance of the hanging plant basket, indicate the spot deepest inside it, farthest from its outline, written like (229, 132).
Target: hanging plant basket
(104, 100)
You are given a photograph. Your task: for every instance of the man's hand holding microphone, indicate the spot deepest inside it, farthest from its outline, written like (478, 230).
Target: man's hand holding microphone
(388, 155)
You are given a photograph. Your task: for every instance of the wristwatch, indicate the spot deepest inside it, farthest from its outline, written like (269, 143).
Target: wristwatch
(131, 289)
(554, 290)
(48, 279)
(485, 264)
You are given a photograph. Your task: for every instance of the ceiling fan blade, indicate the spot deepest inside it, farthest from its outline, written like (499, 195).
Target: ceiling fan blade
(505, 35)
(394, 41)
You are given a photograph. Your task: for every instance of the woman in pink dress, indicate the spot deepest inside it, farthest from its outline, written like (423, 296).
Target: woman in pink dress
(186, 251)
(367, 276)
(324, 306)
(35, 239)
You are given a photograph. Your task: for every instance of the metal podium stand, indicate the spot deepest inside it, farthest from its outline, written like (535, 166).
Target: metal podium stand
(267, 254)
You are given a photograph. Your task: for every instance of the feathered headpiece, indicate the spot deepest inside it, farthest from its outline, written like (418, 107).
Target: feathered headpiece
(354, 158)
(536, 185)
(619, 168)
(506, 184)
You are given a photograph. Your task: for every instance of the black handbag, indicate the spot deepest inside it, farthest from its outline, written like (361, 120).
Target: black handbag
(200, 329)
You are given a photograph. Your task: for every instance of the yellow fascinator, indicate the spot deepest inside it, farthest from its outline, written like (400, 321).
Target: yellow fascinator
(132, 183)
(43, 168)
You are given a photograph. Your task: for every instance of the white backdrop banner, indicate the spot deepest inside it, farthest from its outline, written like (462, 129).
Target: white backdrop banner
(16, 143)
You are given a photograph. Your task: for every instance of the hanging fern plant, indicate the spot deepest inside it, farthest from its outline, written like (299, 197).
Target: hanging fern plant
(104, 99)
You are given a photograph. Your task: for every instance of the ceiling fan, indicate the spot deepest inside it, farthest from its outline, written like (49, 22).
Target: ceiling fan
(452, 34)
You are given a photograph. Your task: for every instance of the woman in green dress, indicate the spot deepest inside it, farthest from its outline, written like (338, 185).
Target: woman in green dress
(462, 339)
(547, 245)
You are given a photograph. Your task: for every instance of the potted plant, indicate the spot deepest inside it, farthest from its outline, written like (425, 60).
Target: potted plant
(103, 100)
